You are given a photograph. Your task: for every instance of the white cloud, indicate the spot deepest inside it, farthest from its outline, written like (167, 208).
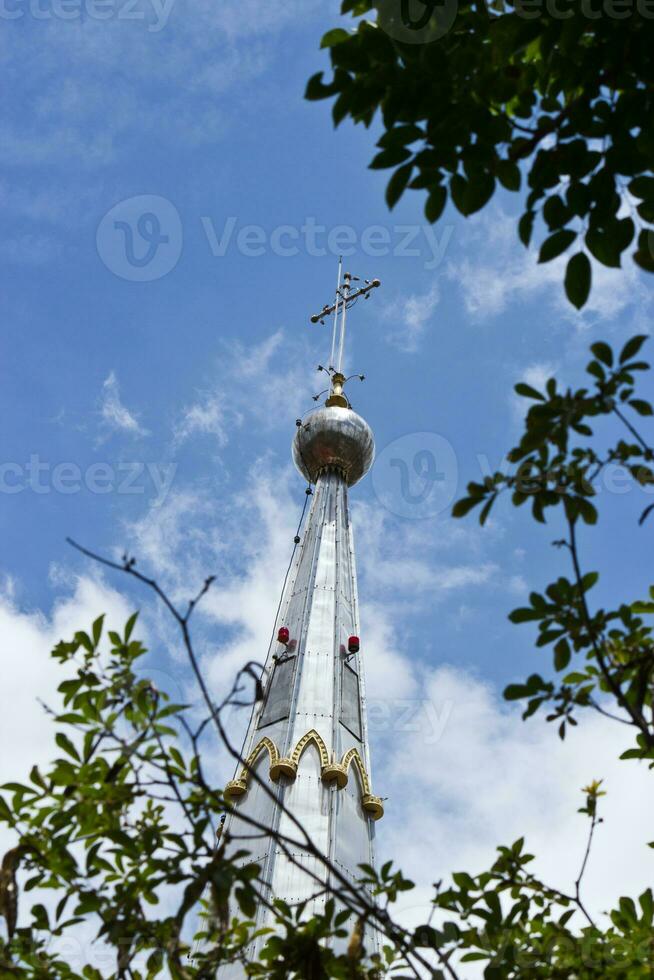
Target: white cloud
(29, 672)
(537, 375)
(164, 59)
(262, 377)
(270, 374)
(408, 318)
(247, 547)
(209, 416)
(517, 585)
(411, 565)
(115, 417)
(255, 361)
(175, 538)
(506, 272)
(7, 586)
(489, 778)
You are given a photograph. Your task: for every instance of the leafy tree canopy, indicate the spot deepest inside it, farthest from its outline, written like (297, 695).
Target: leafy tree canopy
(552, 99)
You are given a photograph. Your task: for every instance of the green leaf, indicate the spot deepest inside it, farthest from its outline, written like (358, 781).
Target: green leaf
(397, 184)
(587, 511)
(632, 347)
(6, 814)
(435, 203)
(604, 247)
(390, 158)
(486, 509)
(129, 626)
(589, 580)
(525, 227)
(479, 191)
(646, 901)
(525, 615)
(84, 640)
(555, 213)
(562, 655)
(641, 406)
(316, 88)
(628, 909)
(513, 692)
(642, 187)
(575, 678)
(246, 902)
(526, 391)
(334, 37)
(577, 279)
(602, 352)
(65, 743)
(508, 174)
(642, 607)
(402, 135)
(462, 507)
(37, 778)
(556, 244)
(577, 197)
(458, 191)
(97, 629)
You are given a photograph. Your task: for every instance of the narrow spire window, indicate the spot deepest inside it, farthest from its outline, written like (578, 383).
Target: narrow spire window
(278, 698)
(350, 701)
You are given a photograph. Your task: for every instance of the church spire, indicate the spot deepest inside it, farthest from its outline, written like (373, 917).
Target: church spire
(308, 739)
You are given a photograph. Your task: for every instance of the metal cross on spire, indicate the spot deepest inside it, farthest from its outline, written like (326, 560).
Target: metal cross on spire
(346, 297)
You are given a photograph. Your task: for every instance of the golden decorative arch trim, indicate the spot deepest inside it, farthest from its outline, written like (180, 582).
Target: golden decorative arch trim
(239, 786)
(353, 758)
(311, 738)
(330, 770)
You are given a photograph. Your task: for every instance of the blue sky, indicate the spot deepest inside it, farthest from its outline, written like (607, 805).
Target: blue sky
(162, 395)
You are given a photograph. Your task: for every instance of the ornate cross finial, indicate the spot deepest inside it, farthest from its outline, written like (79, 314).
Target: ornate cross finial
(346, 297)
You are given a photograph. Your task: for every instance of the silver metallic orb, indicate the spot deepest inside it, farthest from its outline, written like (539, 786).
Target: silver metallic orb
(334, 438)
